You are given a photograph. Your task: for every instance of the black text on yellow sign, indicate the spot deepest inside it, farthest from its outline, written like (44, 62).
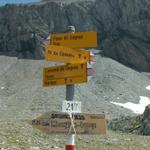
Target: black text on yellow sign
(75, 40)
(65, 54)
(63, 75)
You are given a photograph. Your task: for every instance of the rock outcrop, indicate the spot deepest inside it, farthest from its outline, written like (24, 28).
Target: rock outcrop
(145, 123)
(139, 124)
(123, 27)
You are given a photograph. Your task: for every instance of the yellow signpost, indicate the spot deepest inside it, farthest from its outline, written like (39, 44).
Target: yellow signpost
(75, 40)
(60, 123)
(67, 74)
(65, 54)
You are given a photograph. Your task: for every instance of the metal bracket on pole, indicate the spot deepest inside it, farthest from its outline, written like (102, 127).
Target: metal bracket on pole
(69, 92)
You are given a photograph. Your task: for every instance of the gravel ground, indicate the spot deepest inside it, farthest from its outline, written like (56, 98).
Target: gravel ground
(22, 98)
(20, 136)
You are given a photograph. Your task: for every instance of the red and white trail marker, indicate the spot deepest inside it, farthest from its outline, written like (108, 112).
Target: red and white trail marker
(70, 142)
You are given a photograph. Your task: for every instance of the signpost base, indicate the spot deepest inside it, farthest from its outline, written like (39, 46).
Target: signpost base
(70, 142)
(70, 147)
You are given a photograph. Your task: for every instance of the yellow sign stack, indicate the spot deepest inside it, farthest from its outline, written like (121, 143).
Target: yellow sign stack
(61, 50)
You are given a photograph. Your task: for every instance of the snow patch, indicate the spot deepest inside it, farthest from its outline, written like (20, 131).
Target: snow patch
(148, 87)
(136, 108)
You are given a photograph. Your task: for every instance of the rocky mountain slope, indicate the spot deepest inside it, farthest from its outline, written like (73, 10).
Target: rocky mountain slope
(23, 98)
(21, 88)
(139, 124)
(123, 27)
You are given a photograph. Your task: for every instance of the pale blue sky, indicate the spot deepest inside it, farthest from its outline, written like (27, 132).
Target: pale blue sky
(2, 2)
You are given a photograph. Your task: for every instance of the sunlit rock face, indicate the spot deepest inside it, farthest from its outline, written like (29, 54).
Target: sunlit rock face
(123, 27)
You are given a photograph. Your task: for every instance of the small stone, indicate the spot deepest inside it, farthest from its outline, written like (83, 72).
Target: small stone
(127, 139)
(114, 140)
(56, 147)
(34, 148)
(56, 140)
(86, 141)
(79, 138)
(53, 147)
(145, 145)
(84, 146)
(2, 88)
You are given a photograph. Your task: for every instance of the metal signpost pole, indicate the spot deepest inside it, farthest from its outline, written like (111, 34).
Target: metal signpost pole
(69, 97)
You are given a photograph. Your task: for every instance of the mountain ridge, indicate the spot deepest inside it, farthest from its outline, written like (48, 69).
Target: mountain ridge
(123, 27)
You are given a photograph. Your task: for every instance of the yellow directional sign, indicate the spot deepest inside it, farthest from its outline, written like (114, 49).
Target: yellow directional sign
(67, 74)
(65, 54)
(58, 122)
(75, 40)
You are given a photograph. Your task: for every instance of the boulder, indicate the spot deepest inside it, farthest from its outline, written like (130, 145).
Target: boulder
(145, 123)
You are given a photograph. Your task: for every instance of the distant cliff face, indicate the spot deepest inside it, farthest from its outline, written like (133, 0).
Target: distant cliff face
(123, 27)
